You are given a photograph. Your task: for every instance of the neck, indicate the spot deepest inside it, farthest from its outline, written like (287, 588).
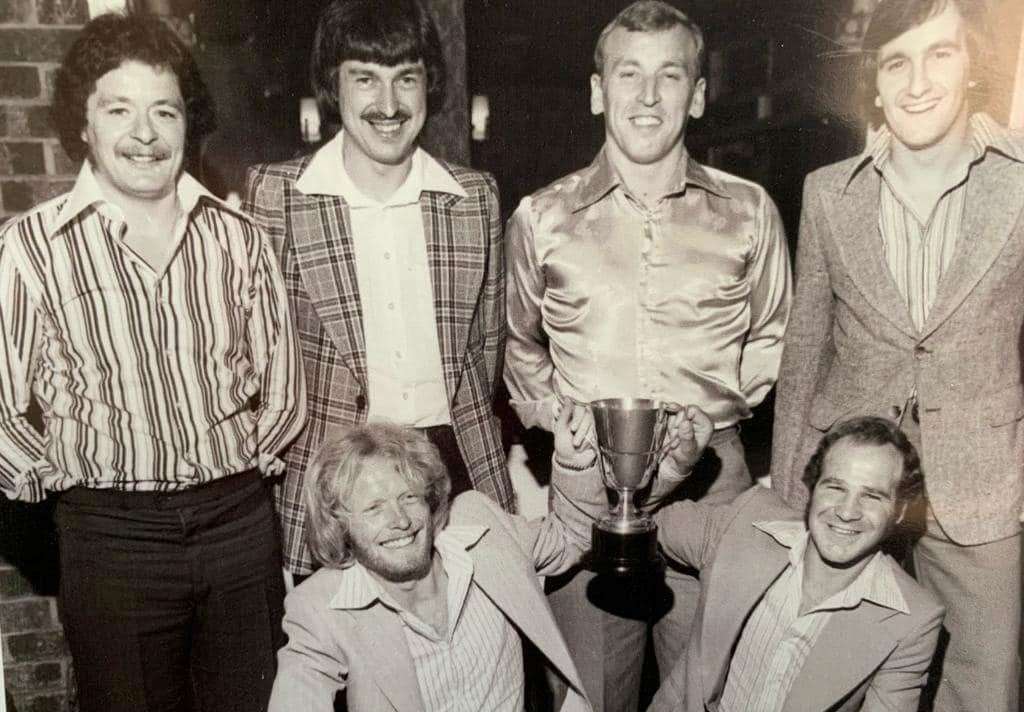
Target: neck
(647, 182)
(377, 180)
(412, 594)
(822, 579)
(937, 161)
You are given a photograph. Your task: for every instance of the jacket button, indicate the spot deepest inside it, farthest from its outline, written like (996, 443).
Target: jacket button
(360, 401)
(921, 352)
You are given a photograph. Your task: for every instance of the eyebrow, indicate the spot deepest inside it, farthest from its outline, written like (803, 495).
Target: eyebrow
(107, 100)
(941, 44)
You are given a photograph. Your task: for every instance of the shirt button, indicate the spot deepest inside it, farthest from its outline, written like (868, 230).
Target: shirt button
(391, 306)
(387, 255)
(398, 354)
(405, 396)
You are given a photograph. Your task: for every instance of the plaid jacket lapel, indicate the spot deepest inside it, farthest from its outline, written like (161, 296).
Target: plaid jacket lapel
(453, 228)
(320, 229)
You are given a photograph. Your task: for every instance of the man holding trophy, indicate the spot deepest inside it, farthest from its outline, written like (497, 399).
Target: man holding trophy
(645, 276)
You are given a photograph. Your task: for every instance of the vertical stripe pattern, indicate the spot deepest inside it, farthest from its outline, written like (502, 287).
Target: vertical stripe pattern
(148, 381)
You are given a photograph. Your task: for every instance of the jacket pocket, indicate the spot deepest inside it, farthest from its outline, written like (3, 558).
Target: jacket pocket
(825, 413)
(1005, 406)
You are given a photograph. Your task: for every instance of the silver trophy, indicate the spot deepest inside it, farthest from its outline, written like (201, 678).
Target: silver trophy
(630, 433)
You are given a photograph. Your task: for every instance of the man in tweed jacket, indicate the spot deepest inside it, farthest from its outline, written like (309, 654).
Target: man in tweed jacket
(910, 305)
(393, 260)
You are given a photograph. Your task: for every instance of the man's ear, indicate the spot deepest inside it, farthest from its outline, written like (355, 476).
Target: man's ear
(697, 101)
(596, 95)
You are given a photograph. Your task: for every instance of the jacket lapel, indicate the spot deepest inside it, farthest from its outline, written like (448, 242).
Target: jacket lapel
(323, 251)
(457, 256)
(500, 578)
(995, 199)
(854, 222)
(383, 645)
(866, 640)
(727, 605)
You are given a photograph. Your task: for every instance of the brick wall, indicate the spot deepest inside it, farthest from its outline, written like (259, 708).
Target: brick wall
(34, 34)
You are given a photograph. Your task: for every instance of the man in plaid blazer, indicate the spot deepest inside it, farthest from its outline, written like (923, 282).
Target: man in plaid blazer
(393, 260)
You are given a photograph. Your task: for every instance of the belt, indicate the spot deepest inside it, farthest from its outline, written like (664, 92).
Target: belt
(206, 492)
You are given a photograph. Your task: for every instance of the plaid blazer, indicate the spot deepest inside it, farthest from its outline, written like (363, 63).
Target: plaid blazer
(312, 238)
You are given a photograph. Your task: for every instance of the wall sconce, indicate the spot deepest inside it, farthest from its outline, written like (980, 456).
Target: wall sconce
(309, 119)
(480, 111)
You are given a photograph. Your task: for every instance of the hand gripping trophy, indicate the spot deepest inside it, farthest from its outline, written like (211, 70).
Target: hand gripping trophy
(630, 434)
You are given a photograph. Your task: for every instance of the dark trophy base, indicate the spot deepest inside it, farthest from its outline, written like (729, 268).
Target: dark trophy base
(625, 553)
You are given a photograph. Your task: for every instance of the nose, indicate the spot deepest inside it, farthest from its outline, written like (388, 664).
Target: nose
(398, 519)
(849, 509)
(388, 100)
(143, 129)
(920, 83)
(649, 93)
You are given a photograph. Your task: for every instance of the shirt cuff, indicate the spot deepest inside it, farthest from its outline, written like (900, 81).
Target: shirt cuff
(270, 465)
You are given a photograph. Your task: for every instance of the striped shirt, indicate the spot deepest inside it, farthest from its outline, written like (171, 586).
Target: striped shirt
(777, 640)
(475, 665)
(147, 381)
(918, 249)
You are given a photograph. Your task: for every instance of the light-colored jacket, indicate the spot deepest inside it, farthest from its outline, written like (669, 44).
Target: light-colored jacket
(868, 658)
(851, 348)
(364, 651)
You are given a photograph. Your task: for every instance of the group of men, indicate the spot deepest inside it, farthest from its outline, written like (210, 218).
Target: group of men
(344, 333)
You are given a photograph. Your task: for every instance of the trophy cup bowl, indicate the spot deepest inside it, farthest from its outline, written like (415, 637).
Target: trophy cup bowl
(630, 433)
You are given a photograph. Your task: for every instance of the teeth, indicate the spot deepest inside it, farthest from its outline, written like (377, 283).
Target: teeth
(387, 126)
(646, 121)
(398, 543)
(842, 530)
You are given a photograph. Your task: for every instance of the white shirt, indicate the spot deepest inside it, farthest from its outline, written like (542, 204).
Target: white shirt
(403, 354)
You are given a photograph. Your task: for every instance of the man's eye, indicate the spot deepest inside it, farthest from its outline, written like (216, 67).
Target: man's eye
(170, 115)
(363, 81)
(893, 65)
(627, 74)
(412, 498)
(117, 111)
(673, 76)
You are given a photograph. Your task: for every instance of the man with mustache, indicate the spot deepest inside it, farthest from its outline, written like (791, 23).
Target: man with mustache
(393, 259)
(150, 323)
(645, 274)
(910, 305)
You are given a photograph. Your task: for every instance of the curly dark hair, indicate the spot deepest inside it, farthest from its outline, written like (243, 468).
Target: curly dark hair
(105, 43)
(386, 33)
(870, 430)
(894, 17)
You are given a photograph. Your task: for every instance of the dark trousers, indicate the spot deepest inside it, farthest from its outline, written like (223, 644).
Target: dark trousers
(443, 438)
(172, 602)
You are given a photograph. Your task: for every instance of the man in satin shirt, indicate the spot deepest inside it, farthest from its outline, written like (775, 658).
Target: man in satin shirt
(645, 274)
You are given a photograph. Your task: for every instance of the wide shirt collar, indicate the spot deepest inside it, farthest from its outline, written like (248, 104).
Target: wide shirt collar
(326, 175)
(876, 583)
(87, 193)
(601, 177)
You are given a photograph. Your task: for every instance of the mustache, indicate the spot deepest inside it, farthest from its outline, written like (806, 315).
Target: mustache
(378, 115)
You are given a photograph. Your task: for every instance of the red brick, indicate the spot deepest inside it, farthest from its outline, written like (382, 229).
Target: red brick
(33, 677)
(17, 11)
(19, 81)
(25, 615)
(26, 122)
(35, 45)
(62, 12)
(19, 158)
(30, 647)
(22, 194)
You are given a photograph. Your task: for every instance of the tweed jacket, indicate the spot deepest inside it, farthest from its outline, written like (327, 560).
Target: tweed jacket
(866, 658)
(851, 347)
(312, 238)
(364, 651)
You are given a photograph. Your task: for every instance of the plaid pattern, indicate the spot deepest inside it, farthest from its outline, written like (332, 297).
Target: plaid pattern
(311, 237)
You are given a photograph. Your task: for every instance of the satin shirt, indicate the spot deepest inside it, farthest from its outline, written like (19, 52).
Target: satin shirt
(686, 302)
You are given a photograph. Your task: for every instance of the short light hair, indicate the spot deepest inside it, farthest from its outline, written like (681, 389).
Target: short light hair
(651, 16)
(894, 17)
(337, 465)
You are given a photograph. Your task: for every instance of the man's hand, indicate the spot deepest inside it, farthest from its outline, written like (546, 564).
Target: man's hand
(689, 432)
(574, 439)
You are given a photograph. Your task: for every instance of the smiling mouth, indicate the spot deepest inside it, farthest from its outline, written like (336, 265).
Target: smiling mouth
(399, 543)
(645, 121)
(843, 531)
(921, 107)
(143, 159)
(387, 127)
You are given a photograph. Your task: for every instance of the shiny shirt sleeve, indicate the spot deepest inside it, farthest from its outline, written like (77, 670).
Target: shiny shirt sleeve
(276, 357)
(529, 369)
(770, 294)
(21, 446)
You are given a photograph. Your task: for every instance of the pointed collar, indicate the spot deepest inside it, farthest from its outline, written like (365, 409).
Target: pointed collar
(87, 193)
(983, 132)
(600, 178)
(359, 589)
(876, 583)
(325, 174)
